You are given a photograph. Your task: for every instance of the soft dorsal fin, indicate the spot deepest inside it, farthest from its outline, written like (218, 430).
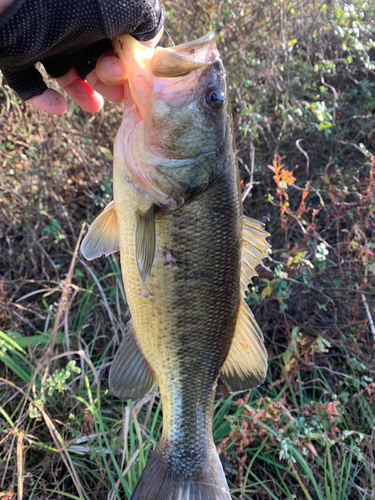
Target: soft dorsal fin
(145, 242)
(253, 249)
(246, 364)
(103, 235)
(130, 376)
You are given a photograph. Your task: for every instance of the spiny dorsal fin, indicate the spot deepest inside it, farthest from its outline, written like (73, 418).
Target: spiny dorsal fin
(130, 376)
(253, 250)
(246, 364)
(103, 235)
(145, 242)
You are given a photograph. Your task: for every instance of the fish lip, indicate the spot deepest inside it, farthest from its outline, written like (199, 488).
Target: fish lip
(198, 42)
(172, 62)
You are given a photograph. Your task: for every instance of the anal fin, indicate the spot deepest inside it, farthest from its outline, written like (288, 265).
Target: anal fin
(130, 376)
(103, 235)
(246, 364)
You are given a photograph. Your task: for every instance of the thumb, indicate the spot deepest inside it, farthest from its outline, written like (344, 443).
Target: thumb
(27, 83)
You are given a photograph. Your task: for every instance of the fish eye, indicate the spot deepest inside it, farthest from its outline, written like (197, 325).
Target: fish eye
(214, 98)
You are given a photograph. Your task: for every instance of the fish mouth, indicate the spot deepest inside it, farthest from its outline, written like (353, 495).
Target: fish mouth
(167, 62)
(177, 70)
(177, 61)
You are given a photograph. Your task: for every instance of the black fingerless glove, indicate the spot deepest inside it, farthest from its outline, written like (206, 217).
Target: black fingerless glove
(66, 33)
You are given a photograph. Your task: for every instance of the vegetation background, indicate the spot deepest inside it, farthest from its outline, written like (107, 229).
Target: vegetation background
(302, 89)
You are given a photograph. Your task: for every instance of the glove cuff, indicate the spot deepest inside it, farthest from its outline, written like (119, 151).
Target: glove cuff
(26, 83)
(28, 94)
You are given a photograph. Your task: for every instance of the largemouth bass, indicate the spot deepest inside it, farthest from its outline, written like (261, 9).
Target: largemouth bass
(187, 257)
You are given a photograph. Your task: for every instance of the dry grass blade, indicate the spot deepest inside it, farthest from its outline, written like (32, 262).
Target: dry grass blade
(7, 461)
(112, 494)
(20, 460)
(150, 405)
(64, 454)
(104, 298)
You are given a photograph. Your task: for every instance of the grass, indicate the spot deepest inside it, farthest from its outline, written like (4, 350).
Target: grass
(302, 94)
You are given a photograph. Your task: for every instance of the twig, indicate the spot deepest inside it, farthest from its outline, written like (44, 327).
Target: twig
(370, 320)
(305, 155)
(43, 290)
(64, 296)
(251, 182)
(334, 99)
(354, 146)
(367, 462)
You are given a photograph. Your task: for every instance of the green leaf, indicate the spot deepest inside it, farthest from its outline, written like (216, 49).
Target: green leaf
(41, 338)
(11, 342)
(106, 152)
(267, 291)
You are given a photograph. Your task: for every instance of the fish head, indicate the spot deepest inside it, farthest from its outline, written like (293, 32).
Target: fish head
(176, 124)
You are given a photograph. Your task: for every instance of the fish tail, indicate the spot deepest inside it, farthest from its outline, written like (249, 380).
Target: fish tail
(160, 481)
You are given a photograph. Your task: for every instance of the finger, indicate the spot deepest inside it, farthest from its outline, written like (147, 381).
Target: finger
(110, 70)
(80, 91)
(113, 93)
(50, 102)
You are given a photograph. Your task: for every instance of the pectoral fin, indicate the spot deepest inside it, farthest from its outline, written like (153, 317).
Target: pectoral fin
(130, 376)
(246, 364)
(253, 250)
(145, 242)
(103, 235)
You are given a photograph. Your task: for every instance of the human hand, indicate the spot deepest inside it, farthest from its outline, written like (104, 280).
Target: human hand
(72, 40)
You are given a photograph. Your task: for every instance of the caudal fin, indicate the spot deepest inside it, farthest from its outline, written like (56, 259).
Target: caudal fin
(160, 481)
